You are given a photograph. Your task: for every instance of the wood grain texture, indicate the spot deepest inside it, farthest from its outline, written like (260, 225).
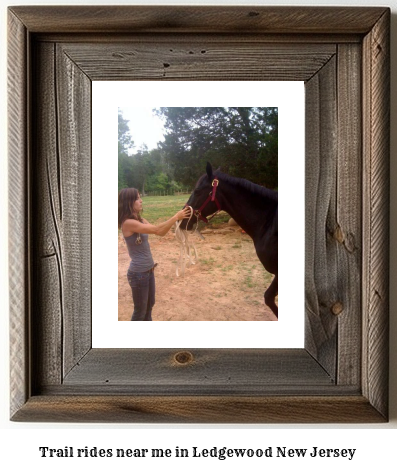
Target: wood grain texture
(73, 90)
(63, 217)
(376, 91)
(347, 225)
(341, 376)
(47, 317)
(205, 60)
(199, 409)
(193, 19)
(321, 278)
(195, 39)
(18, 213)
(156, 370)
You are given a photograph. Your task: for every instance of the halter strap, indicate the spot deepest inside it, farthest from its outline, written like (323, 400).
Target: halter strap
(211, 197)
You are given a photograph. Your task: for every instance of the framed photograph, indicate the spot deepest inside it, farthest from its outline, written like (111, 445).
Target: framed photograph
(227, 280)
(340, 374)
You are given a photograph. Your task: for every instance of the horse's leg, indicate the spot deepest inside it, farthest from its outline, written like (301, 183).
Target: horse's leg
(270, 295)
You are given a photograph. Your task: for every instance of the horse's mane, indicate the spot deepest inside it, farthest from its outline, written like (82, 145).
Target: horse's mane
(247, 185)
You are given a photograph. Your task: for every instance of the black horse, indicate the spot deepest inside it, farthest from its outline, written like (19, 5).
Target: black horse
(253, 207)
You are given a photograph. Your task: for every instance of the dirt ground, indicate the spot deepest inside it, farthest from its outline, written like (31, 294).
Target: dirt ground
(226, 284)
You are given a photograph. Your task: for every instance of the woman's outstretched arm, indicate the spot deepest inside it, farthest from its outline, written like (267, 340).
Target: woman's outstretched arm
(131, 226)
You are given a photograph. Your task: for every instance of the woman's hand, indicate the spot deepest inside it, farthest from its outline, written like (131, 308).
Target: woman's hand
(184, 213)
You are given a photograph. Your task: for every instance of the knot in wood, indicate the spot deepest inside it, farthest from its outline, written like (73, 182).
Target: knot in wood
(337, 308)
(338, 235)
(183, 358)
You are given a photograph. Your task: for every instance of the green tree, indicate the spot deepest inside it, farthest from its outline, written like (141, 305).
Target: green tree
(242, 141)
(126, 143)
(125, 146)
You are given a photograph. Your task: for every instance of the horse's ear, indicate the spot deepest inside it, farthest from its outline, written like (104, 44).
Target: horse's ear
(209, 171)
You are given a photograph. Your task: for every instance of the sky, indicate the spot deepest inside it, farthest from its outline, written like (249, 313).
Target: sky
(145, 127)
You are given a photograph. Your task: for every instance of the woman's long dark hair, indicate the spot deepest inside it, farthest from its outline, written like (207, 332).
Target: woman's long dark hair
(127, 198)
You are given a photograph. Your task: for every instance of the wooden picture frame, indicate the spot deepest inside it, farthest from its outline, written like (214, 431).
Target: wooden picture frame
(342, 54)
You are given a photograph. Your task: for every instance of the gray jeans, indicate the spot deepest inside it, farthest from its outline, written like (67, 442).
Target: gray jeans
(143, 294)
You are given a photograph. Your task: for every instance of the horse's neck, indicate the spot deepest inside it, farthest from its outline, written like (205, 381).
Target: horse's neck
(247, 209)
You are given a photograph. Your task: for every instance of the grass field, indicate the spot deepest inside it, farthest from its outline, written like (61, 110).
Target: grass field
(157, 209)
(160, 208)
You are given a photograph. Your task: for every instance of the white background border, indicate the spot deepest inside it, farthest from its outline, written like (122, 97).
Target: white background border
(288, 331)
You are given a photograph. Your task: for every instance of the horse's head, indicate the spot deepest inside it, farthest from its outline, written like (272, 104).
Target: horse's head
(199, 200)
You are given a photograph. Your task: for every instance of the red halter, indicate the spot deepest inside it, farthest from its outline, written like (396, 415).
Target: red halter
(211, 197)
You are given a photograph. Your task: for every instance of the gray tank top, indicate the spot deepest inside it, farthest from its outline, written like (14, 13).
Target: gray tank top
(140, 254)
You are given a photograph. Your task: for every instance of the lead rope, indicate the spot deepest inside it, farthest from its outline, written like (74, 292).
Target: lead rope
(188, 253)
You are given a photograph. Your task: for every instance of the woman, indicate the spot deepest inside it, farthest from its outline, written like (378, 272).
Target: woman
(136, 232)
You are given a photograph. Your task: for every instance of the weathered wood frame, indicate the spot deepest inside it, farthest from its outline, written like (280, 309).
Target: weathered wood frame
(343, 56)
